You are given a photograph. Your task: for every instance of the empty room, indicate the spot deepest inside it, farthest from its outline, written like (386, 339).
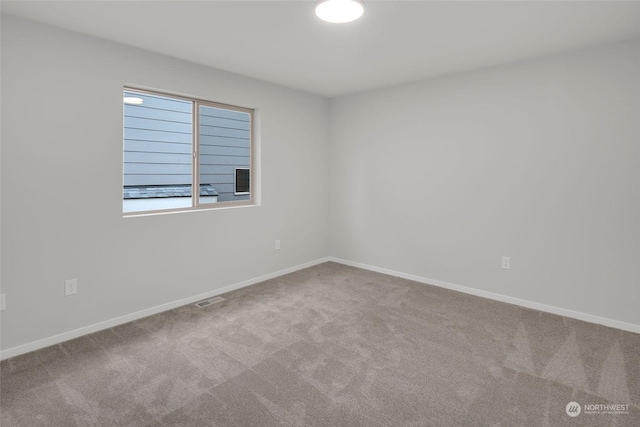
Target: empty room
(320, 213)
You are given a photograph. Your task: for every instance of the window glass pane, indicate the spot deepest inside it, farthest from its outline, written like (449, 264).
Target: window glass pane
(158, 138)
(242, 181)
(224, 138)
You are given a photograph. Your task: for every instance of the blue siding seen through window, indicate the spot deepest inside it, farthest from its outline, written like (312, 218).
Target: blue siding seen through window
(224, 146)
(157, 141)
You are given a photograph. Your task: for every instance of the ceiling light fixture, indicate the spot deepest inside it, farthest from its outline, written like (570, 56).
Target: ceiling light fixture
(339, 11)
(133, 100)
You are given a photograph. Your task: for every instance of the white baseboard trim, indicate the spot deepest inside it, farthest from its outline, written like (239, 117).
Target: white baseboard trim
(66, 336)
(497, 297)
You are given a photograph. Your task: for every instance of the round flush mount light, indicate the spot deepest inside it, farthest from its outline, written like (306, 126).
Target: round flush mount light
(339, 11)
(133, 100)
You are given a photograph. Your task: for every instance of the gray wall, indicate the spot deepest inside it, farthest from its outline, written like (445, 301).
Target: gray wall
(62, 186)
(538, 161)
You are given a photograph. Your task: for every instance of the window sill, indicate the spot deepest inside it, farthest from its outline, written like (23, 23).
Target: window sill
(201, 208)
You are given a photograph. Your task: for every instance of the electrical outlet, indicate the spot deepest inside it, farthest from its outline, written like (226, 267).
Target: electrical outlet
(70, 287)
(277, 245)
(3, 302)
(506, 262)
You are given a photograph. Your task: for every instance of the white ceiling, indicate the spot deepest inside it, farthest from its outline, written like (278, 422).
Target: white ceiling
(394, 42)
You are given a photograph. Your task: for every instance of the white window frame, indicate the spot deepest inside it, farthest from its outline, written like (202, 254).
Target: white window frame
(195, 160)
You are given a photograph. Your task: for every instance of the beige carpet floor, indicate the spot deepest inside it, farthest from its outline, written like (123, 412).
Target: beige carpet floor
(332, 345)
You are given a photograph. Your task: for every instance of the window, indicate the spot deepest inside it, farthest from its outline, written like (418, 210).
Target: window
(174, 144)
(242, 181)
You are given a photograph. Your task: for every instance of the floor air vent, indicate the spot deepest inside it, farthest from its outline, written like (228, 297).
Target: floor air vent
(209, 301)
